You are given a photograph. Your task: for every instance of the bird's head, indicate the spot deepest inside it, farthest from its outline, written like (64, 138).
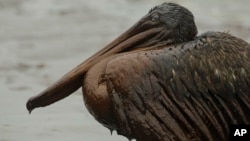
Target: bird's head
(177, 23)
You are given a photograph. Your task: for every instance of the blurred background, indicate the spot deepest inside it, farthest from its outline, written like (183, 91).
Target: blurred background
(40, 40)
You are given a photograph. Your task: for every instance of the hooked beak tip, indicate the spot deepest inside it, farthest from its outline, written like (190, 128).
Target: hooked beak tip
(29, 106)
(30, 111)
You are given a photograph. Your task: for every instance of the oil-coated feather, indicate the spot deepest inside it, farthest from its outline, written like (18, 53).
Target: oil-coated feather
(190, 91)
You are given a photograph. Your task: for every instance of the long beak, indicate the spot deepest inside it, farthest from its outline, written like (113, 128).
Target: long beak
(71, 81)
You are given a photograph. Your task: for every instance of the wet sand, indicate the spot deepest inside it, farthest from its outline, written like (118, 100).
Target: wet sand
(42, 40)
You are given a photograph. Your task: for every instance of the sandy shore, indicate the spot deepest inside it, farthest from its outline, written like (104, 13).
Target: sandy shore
(41, 40)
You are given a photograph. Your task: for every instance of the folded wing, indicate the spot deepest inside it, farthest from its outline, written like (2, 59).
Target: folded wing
(190, 91)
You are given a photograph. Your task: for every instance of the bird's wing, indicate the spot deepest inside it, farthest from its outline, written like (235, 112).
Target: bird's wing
(188, 91)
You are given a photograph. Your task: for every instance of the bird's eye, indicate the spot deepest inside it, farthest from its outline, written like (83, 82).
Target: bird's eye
(155, 17)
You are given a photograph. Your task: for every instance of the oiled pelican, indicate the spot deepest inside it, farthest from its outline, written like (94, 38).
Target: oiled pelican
(158, 81)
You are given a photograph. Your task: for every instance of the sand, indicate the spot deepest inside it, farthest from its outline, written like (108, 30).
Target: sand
(40, 40)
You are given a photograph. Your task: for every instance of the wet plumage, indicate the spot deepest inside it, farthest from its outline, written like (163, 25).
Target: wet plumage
(159, 81)
(185, 91)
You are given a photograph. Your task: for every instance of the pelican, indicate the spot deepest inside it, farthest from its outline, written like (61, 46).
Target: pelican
(159, 81)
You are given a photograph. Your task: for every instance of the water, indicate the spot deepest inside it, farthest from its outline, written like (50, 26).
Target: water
(42, 40)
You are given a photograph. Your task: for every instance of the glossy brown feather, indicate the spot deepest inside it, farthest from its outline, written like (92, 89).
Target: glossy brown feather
(190, 91)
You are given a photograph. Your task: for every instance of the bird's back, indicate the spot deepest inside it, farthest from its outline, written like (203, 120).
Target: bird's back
(189, 91)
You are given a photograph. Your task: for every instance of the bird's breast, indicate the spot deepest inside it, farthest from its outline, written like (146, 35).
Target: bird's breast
(96, 97)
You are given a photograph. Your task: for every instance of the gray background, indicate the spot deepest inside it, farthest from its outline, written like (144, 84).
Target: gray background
(40, 40)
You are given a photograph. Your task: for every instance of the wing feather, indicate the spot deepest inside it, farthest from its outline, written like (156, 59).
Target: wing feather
(192, 91)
